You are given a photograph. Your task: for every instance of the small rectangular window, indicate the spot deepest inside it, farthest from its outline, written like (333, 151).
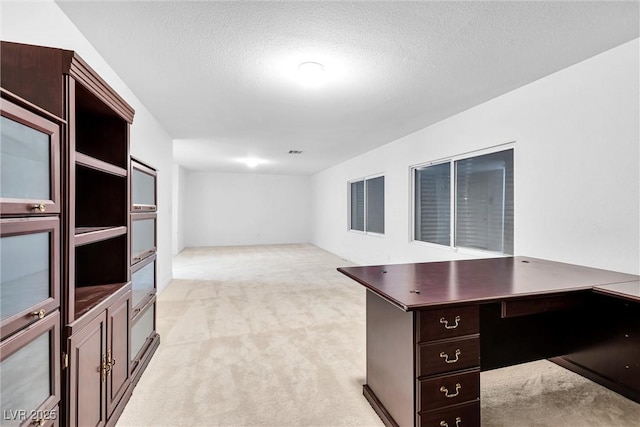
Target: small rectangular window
(367, 205)
(482, 216)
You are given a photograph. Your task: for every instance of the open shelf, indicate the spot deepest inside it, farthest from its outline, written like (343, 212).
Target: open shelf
(88, 297)
(102, 262)
(86, 235)
(99, 165)
(101, 199)
(100, 132)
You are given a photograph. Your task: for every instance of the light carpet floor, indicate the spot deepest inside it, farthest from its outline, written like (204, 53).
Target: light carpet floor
(275, 336)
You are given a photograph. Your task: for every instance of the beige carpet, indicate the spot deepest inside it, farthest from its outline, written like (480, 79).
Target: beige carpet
(275, 336)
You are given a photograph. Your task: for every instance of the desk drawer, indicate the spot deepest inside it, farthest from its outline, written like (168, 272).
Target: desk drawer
(447, 323)
(446, 356)
(459, 416)
(448, 390)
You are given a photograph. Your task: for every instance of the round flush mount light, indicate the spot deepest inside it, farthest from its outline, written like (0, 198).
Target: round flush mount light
(251, 162)
(311, 73)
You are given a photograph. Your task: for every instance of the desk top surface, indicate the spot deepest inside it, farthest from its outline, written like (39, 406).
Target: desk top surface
(413, 286)
(627, 290)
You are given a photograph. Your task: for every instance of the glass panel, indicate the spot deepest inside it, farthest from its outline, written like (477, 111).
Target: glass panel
(25, 161)
(143, 192)
(144, 232)
(375, 205)
(24, 272)
(141, 331)
(433, 204)
(357, 206)
(143, 281)
(25, 380)
(484, 202)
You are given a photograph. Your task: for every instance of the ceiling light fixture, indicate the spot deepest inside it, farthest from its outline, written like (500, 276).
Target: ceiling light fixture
(251, 162)
(311, 74)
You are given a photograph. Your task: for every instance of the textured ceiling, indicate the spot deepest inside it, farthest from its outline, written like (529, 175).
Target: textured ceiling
(220, 76)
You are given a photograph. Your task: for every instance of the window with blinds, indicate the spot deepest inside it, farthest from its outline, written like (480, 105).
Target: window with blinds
(482, 216)
(433, 204)
(367, 205)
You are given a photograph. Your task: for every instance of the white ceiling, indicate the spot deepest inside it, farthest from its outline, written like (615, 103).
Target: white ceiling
(220, 76)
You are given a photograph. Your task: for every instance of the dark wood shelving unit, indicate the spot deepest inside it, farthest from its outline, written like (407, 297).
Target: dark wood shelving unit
(67, 110)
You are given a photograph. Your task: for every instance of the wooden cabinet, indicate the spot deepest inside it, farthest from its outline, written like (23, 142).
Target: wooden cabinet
(144, 338)
(99, 364)
(67, 239)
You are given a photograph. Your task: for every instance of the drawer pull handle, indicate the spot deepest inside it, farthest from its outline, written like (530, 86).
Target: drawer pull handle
(445, 356)
(39, 208)
(445, 424)
(445, 322)
(39, 314)
(445, 390)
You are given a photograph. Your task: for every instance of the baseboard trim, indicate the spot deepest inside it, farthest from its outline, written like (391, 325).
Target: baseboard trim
(377, 406)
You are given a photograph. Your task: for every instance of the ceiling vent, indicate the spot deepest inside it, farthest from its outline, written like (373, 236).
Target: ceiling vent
(295, 152)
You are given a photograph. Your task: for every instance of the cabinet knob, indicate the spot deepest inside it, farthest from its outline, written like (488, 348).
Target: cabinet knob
(38, 422)
(39, 207)
(39, 314)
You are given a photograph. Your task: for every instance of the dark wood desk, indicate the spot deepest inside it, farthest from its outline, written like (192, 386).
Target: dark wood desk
(432, 327)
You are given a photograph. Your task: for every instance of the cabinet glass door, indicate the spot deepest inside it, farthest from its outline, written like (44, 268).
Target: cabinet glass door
(141, 332)
(143, 187)
(143, 283)
(143, 236)
(29, 162)
(29, 271)
(30, 380)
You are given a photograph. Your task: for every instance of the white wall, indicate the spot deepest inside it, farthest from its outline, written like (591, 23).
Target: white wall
(227, 209)
(577, 181)
(43, 23)
(179, 194)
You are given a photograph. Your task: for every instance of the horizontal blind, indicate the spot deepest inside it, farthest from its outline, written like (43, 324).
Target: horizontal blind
(484, 202)
(374, 220)
(357, 206)
(433, 204)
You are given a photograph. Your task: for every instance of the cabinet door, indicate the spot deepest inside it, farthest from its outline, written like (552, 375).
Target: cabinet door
(143, 283)
(118, 351)
(29, 271)
(143, 236)
(30, 162)
(88, 374)
(30, 373)
(143, 187)
(142, 333)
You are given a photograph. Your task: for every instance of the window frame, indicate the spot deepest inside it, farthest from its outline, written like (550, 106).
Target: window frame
(451, 160)
(349, 204)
